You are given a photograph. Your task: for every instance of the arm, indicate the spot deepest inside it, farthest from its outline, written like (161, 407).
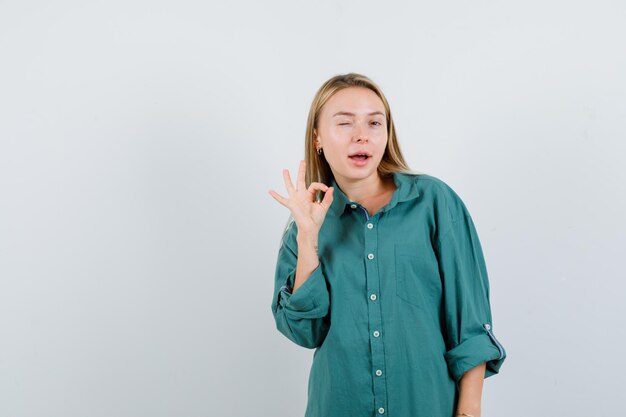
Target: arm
(307, 258)
(470, 391)
(301, 300)
(471, 344)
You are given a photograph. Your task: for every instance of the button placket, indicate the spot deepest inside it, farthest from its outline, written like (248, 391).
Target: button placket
(373, 280)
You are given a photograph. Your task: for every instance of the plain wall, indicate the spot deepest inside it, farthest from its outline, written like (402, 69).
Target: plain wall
(138, 140)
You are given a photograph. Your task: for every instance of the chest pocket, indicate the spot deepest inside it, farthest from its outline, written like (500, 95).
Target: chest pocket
(417, 275)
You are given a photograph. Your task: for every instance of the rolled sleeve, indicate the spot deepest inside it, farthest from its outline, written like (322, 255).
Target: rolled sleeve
(302, 316)
(474, 351)
(311, 298)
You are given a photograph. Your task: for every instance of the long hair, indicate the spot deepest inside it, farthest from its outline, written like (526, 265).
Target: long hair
(317, 168)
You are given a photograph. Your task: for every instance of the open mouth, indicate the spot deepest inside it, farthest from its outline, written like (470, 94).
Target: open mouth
(360, 159)
(359, 156)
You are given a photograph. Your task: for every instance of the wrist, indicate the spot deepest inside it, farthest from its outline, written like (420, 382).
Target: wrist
(307, 238)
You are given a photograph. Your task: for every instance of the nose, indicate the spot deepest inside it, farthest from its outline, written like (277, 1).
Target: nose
(359, 136)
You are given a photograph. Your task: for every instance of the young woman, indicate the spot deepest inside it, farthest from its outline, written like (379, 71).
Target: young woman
(384, 275)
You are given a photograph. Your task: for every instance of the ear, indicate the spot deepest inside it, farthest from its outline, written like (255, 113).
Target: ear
(316, 140)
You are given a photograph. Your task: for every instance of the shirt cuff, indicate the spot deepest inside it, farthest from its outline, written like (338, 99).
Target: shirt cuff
(476, 350)
(309, 296)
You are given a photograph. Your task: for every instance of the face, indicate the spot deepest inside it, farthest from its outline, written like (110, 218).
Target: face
(352, 121)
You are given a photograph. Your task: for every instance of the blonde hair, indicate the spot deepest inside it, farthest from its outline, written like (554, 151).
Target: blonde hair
(317, 168)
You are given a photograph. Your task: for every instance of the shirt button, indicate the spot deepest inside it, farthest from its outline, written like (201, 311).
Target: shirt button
(370, 256)
(376, 333)
(373, 297)
(487, 326)
(381, 410)
(370, 225)
(379, 372)
(353, 206)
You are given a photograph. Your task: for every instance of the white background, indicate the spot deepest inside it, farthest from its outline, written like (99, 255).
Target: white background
(138, 140)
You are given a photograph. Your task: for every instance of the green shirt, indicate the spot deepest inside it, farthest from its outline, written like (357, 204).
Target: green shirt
(398, 308)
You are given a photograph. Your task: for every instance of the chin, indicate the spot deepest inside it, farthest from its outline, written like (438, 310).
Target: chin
(356, 173)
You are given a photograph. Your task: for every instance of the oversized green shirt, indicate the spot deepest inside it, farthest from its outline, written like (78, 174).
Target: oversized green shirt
(398, 308)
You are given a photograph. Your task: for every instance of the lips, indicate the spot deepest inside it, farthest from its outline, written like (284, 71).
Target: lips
(360, 158)
(361, 155)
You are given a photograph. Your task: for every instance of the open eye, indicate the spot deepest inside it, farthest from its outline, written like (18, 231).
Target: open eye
(379, 123)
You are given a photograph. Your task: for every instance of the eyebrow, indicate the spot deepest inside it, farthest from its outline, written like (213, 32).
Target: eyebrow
(345, 113)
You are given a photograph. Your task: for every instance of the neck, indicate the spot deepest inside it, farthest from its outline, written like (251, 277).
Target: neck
(362, 190)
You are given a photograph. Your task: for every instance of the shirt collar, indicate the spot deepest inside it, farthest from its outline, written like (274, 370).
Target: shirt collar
(406, 189)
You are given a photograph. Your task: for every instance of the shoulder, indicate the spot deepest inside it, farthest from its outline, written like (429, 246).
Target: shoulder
(432, 186)
(431, 183)
(438, 193)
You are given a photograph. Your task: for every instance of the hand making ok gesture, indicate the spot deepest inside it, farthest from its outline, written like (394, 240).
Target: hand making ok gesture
(306, 211)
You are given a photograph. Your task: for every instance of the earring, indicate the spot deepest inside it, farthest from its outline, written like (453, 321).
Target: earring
(319, 151)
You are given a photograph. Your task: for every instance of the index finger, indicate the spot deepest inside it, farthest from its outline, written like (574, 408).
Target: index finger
(302, 175)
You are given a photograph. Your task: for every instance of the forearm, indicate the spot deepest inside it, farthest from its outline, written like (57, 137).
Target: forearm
(301, 314)
(308, 259)
(470, 391)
